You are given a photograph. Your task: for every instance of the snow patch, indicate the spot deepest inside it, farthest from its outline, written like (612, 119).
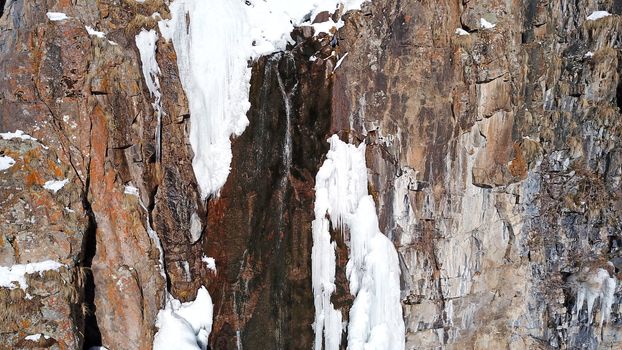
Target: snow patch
(596, 15)
(36, 337)
(131, 190)
(461, 32)
(57, 16)
(210, 262)
(6, 162)
(9, 275)
(373, 268)
(55, 185)
(94, 32)
(185, 326)
(485, 24)
(18, 134)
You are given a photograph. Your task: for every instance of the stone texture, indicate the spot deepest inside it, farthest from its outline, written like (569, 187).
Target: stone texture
(85, 99)
(490, 156)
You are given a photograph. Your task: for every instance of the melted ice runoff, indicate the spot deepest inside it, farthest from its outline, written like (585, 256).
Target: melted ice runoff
(373, 268)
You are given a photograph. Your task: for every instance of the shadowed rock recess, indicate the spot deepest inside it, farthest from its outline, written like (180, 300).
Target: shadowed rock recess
(493, 132)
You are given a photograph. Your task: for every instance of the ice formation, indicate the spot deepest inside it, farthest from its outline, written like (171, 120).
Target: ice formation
(214, 45)
(10, 275)
(592, 285)
(184, 326)
(212, 54)
(146, 44)
(373, 269)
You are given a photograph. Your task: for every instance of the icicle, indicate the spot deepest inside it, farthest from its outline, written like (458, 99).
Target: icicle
(590, 286)
(373, 268)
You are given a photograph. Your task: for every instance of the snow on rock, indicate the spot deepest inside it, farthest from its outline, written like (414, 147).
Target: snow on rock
(131, 190)
(340, 61)
(461, 32)
(57, 16)
(36, 337)
(18, 134)
(94, 32)
(591, 285)
(373, 269)
(6, 162)
(146, 43)
(209, 262)
(485, 24)
(598, 15)
(185, 326)
(55, 185)
(213, 50)
(195, 227)
(9, 275)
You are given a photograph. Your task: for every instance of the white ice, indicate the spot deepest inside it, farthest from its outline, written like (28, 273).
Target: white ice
(55, 185)
(598, 285)
(146, 43)
(213, 53)
(57, 16)
(10, 275)
(597, 15)
(373, 270)
(185, 326)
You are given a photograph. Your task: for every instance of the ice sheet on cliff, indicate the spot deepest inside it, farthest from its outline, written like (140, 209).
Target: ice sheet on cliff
(213, 49)
(373, 268)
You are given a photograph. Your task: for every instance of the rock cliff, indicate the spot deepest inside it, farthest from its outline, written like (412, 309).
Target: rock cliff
(493, 145)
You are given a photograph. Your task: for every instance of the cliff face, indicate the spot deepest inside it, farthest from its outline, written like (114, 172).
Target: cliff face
(494, 156)
(495, 160)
